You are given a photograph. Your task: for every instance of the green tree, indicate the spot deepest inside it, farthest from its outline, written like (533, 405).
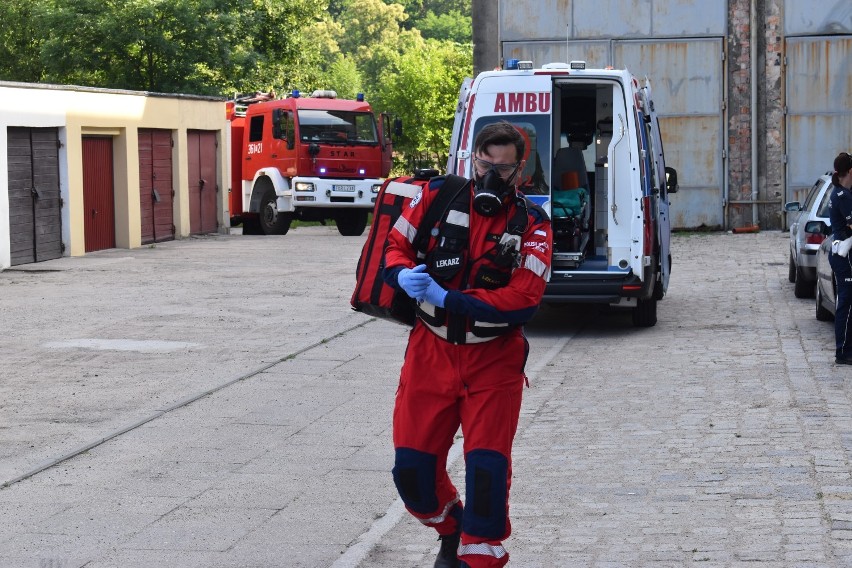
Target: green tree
(20, 41)
(195, 46)
(423, 93)
(452, 26)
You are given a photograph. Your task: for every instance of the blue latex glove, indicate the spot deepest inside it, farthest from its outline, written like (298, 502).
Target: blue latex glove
(434, 294)
(414, 280)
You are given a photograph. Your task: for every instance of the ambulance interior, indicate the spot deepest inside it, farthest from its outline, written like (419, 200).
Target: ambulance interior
(582, 132)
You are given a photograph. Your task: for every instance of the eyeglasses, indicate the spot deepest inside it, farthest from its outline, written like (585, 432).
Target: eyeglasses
(503, 170)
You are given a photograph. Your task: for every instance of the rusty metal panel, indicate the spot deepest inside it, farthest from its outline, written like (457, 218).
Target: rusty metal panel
(818, 74)
(687, 87)
(806, 17)
(611, 18)
(531, 20)
(98, 193)
(686, 75)
(596, 53)
(819, 117)
(526, 20)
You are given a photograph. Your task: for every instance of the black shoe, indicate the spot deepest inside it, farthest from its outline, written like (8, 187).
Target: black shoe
(842, 361)
(448, 555)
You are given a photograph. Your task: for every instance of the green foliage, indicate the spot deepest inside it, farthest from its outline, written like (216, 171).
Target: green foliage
(408, 56)
(423, 92)
(20, 41)
(452, 26)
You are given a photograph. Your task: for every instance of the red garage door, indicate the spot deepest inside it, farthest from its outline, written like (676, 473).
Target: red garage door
(156, 196)
(98, 193)
(35, 228)
(203, 188)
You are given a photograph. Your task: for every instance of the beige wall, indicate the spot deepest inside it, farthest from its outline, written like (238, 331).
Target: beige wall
(118, 114)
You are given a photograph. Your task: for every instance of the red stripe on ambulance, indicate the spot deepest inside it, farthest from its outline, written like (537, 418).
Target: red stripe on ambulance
(522, 102)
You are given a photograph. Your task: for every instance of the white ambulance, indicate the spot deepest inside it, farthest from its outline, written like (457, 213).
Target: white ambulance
(595, 164)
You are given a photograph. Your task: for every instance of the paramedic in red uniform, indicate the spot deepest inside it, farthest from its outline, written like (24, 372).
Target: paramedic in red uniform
(464, 364)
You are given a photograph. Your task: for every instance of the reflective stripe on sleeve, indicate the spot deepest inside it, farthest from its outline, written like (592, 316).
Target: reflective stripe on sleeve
(482, 549)
(407, 229)
(535, 265)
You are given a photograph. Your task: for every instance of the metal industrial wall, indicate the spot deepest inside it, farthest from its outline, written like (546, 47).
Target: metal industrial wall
(819, 107)
(686, 72)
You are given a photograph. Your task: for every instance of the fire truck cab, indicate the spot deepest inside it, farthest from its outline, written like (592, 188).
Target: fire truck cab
(595, 163)
(312, 158)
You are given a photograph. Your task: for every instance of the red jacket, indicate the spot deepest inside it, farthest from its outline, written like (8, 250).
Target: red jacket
(483, 291)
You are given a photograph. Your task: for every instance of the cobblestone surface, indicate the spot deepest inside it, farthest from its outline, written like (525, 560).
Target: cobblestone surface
(719, 437)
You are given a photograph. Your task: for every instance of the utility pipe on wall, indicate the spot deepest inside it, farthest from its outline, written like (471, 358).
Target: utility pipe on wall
(753, 64)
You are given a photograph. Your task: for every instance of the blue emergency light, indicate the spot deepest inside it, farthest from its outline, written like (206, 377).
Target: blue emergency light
(359, 97)
(295, 94)
(511, 64)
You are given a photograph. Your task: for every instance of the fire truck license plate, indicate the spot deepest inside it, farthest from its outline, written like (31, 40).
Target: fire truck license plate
(343, 188)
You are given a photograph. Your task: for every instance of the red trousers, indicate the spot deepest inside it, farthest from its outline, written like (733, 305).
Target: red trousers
(478, 387)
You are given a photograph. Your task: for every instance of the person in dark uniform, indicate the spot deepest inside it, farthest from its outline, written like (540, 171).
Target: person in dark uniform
(840, 214)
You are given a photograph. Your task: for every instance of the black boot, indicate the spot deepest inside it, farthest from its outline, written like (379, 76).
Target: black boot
(448, 555)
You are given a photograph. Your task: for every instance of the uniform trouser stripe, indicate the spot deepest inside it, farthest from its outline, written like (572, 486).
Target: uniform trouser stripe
(482, 549)
(443, 515)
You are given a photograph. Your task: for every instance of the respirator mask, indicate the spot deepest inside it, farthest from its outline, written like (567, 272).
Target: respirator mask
(490, 188)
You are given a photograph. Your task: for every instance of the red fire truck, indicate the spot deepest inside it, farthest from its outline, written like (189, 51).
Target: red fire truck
(311, 158)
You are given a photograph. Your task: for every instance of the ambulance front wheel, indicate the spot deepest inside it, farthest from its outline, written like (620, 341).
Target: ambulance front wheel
(645, 313)
(271, 221)
(352, 222)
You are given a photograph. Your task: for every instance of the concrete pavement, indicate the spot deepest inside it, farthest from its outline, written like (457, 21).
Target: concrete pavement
(219, 405)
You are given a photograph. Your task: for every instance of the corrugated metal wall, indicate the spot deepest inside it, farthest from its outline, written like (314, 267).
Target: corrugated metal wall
(819, 107)
(687, 79)
(98, 193)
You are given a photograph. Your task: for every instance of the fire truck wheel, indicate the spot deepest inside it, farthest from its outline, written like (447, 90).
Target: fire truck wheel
(271, 221)
(352, 223)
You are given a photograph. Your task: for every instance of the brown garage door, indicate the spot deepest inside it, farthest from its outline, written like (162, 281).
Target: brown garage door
(98, 193)
(34, 204)
(155, 185)
(201, 146)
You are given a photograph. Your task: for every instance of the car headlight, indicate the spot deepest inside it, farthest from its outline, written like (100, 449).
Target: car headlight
(304, 186)
(376, 188)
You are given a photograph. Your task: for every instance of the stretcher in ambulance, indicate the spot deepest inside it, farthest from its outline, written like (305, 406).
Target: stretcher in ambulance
(595, 163)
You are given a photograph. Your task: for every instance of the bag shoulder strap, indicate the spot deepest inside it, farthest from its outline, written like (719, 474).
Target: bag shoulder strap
(452, 187)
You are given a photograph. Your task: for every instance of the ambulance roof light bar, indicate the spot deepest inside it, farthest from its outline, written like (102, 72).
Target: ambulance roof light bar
(578, 65)
(516, 65)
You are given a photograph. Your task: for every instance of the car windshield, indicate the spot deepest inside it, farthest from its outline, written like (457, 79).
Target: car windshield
(337, 127)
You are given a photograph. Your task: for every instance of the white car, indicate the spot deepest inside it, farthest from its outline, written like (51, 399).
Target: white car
(804, 245)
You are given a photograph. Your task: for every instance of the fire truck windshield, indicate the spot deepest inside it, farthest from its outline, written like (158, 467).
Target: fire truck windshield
(337, 127)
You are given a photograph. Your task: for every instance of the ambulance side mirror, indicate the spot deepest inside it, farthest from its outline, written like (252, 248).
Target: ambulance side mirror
(671, 180)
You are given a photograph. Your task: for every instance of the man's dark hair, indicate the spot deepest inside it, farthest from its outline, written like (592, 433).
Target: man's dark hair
(500, 134)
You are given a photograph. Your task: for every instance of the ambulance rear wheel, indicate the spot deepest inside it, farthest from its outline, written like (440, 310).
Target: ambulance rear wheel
(352, 223)
(645, 313)
(271, 221)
